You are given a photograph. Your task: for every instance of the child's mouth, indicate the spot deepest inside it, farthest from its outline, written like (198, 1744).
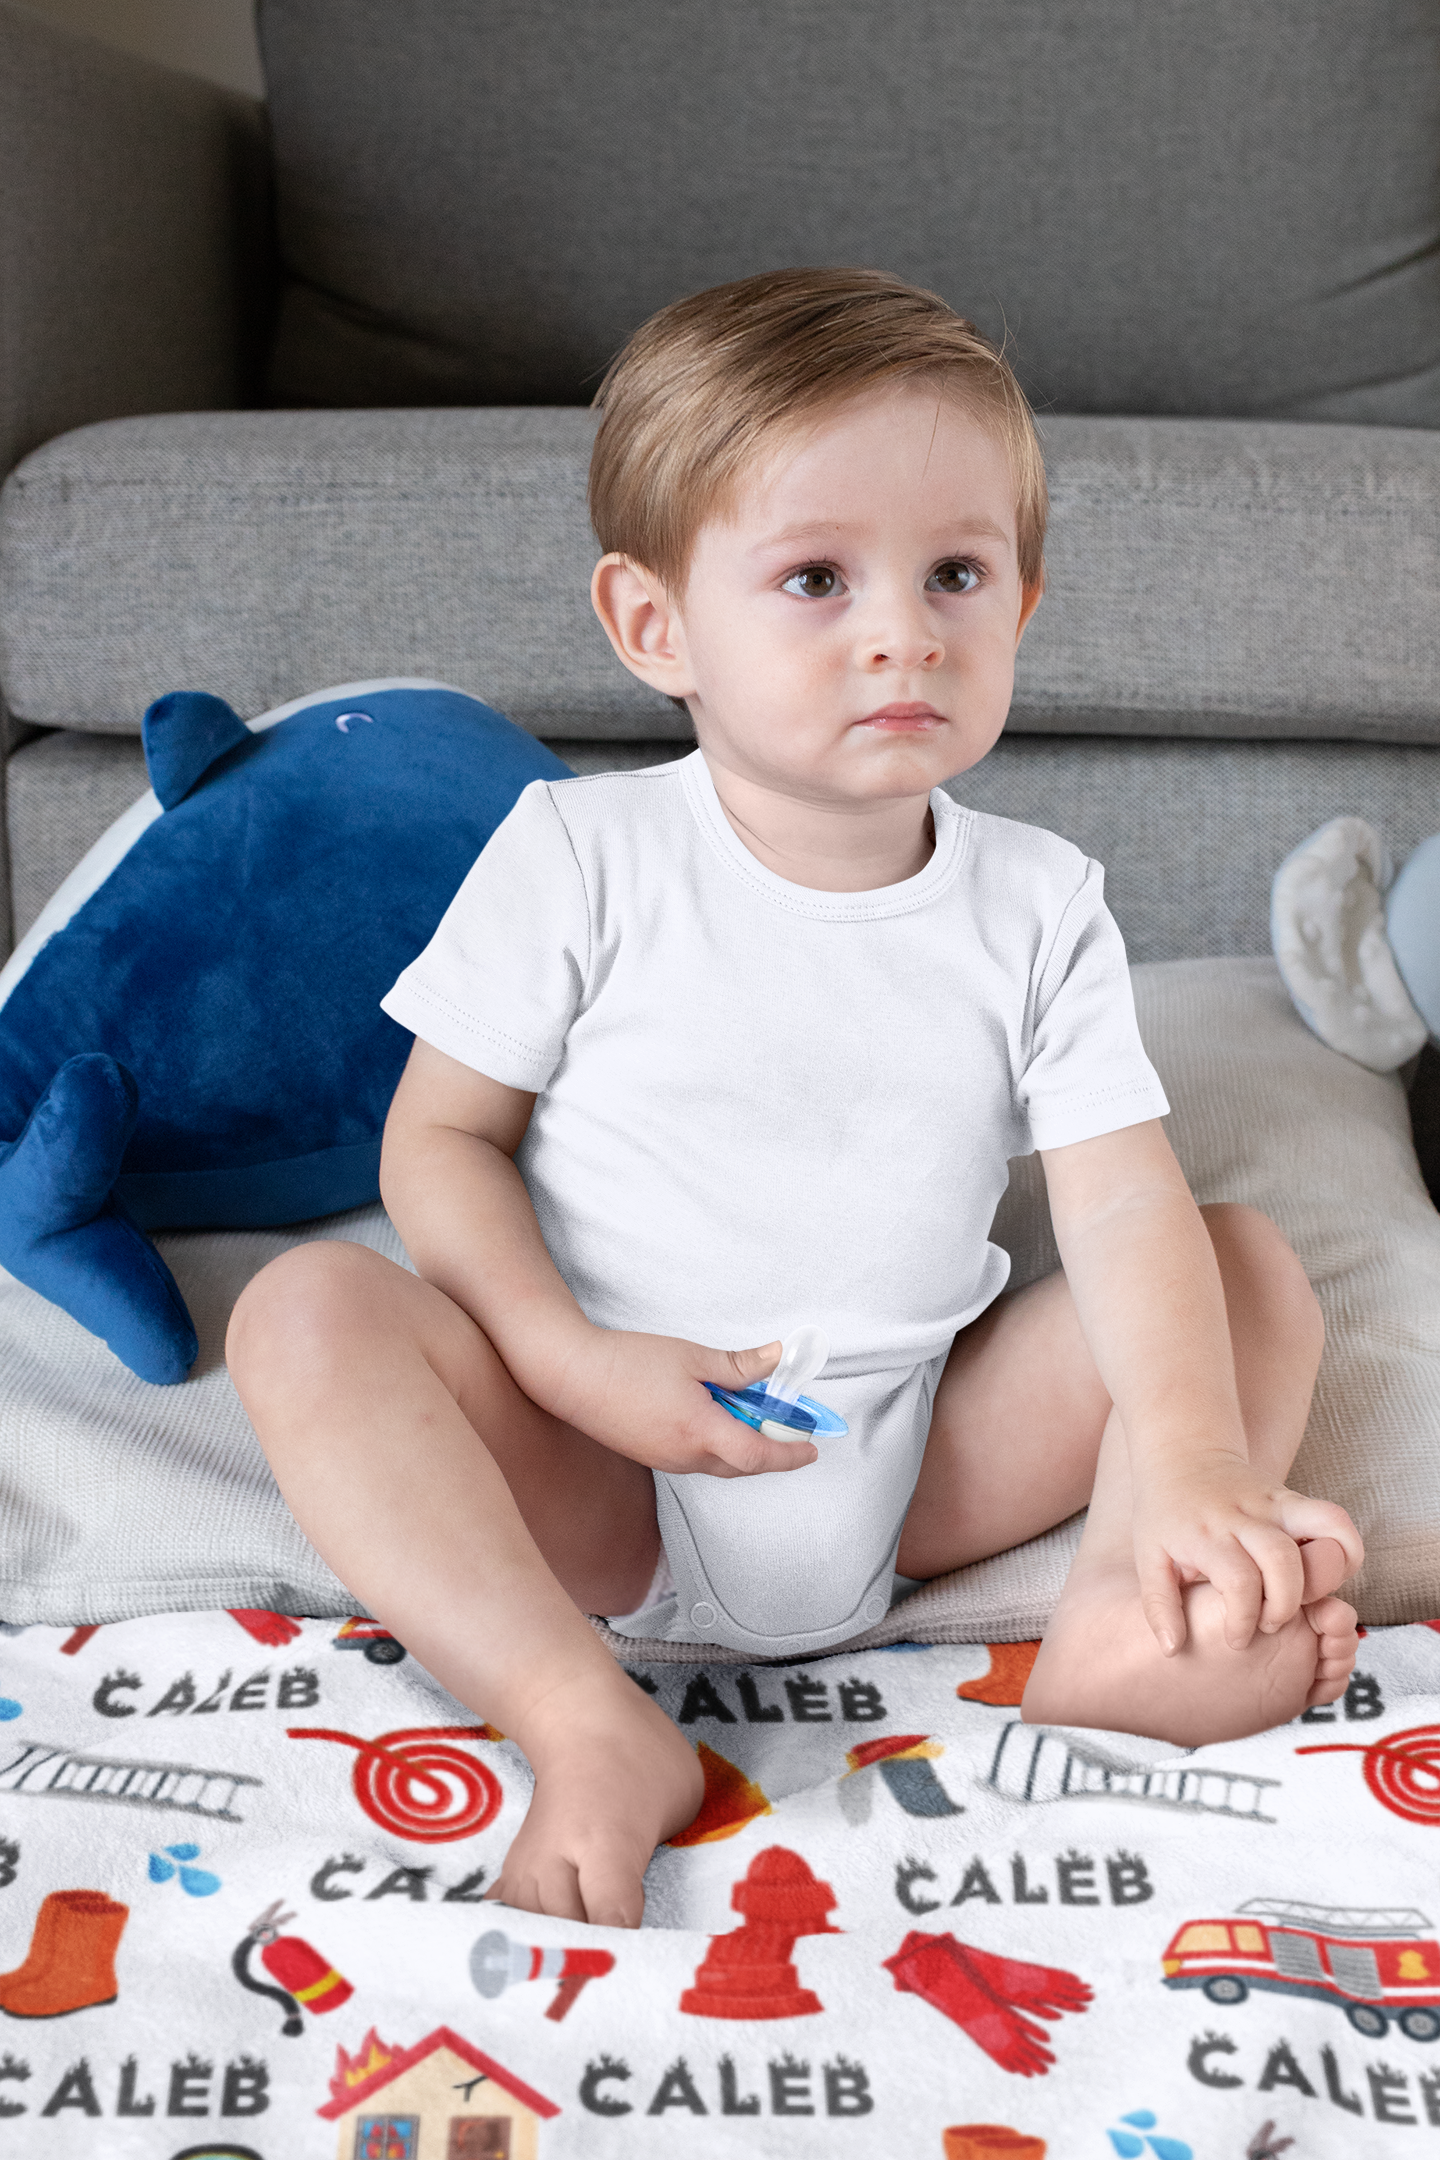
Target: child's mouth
(904, 719)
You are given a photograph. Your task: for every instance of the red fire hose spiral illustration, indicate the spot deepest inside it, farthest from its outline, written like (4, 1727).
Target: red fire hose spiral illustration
(415, 1787)
(1403, 1771)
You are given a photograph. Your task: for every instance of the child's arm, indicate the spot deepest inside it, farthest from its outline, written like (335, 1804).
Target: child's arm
(1147, 1290)
(461, 1208)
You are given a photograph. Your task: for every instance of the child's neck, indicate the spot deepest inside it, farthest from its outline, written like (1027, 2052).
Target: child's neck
(829, 846)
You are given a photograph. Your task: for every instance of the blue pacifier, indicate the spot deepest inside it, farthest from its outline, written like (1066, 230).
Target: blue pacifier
(776, 1406)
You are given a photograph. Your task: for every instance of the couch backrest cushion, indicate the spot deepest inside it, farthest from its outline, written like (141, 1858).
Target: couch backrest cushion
(1230, 578)
(1221, 208)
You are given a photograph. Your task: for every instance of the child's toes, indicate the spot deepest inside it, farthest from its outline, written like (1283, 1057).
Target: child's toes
(1336, 1646)
(1325, 1565)
(1334, 1622)
(1326, 1691)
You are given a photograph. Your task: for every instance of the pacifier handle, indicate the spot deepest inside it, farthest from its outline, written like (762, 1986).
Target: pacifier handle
(802, 1357)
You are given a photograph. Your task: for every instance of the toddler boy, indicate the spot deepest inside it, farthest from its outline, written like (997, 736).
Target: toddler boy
(710, 1050)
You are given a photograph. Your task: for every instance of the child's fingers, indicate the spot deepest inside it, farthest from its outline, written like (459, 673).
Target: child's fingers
(738, 1368)
(1302, 1517)
(1282, 1574)
(744, 1451)
(1242, 1588)
(747, 1452)
(1161, 1603)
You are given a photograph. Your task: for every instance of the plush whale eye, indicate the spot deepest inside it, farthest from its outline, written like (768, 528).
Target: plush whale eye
(953, 577)
(817, 581)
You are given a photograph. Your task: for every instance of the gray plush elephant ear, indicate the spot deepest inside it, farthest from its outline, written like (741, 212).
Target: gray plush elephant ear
(1327, 925)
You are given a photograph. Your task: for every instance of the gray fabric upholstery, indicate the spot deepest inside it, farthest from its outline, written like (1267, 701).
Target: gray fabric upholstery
(133, 236)
(1190, 833)
(1221, 209)
(1232, 578)
(1226, 578)
(62, 792)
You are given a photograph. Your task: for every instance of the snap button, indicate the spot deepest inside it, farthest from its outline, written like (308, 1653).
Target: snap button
(875, 1608)
(702, 1615)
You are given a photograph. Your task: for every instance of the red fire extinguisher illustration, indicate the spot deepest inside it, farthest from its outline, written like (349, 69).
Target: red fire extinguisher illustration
(304, 1976)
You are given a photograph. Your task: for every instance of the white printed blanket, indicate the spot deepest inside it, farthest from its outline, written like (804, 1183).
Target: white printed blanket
(242, 1863)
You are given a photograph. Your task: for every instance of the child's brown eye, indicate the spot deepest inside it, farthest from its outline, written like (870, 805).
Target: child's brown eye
(953, 577)
(816, 583)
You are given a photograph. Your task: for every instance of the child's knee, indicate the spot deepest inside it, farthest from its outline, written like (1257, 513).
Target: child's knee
(1259, 1265)
(307, 1297)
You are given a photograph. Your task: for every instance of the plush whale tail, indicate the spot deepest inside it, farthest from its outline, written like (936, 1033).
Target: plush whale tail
(63, 1234)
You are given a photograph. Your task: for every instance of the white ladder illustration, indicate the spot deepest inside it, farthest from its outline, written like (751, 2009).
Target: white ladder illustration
(42, 1769)
(1033, 1763)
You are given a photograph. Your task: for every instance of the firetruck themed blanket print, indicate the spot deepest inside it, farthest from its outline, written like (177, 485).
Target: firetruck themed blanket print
(243, 1865)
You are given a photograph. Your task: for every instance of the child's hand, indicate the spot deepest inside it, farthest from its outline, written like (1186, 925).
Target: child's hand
(1212, 1520)
(643, 1396)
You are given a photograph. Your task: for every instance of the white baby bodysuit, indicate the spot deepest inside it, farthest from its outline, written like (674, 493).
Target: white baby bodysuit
(759, 1105)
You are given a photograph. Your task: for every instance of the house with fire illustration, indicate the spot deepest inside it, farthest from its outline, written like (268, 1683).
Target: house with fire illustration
(442, 2099)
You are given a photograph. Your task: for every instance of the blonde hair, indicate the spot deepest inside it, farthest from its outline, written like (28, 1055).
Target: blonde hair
(705, 385)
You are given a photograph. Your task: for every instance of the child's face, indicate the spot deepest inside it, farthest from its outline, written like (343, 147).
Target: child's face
(849, 632)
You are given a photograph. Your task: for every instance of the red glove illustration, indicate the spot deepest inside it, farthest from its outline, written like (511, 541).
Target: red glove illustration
(985, 1996)
(270, 1628)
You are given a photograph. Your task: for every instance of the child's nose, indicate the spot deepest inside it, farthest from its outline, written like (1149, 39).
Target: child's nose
(901, 634)
(903, 646)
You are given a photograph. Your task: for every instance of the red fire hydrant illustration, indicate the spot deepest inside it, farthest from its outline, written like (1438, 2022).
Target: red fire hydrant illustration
(497, 1963)
(748, 1974)
(987, 1996)
(303, 1975)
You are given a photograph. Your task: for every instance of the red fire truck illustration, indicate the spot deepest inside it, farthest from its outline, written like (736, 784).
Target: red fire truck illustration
(1374, 1965)
(377, 1643)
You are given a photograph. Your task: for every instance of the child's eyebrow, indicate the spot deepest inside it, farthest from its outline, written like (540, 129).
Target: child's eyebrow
(821, 529)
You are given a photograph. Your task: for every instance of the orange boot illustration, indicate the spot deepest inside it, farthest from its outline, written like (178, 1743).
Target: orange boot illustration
(71, 1962)
(1004, 1684)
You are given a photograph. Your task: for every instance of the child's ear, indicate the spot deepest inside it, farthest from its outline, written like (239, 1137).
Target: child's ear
(642, 623)
(1030, 598)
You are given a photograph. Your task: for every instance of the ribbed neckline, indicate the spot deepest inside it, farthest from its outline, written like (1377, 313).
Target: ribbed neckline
(952, 824)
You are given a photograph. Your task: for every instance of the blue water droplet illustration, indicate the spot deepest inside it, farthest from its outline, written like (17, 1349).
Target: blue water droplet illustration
(201, 1883)
(183, 1852)
(9, 1708)
(1127, 2145)
(160, 1870)
(1169, 2149)
(1141, 2119)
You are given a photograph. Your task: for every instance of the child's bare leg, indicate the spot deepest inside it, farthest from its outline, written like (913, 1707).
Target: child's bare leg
(480, 1530)
(1023, 1431)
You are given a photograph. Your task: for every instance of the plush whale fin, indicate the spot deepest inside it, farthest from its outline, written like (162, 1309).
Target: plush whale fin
(183, 734)
(62, 1233)
(1327, 925)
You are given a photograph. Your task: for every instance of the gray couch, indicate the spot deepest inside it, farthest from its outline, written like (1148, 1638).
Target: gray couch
(297, 397)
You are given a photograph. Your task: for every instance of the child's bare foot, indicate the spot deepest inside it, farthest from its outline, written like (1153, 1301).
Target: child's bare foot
(613, 1779)
(1100, 1664)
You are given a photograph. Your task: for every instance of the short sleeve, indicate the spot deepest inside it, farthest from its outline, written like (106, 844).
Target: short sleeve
(1087, 1072)
(500, 982)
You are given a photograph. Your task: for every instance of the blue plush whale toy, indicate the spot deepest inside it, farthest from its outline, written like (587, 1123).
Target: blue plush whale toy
(191, 1033)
